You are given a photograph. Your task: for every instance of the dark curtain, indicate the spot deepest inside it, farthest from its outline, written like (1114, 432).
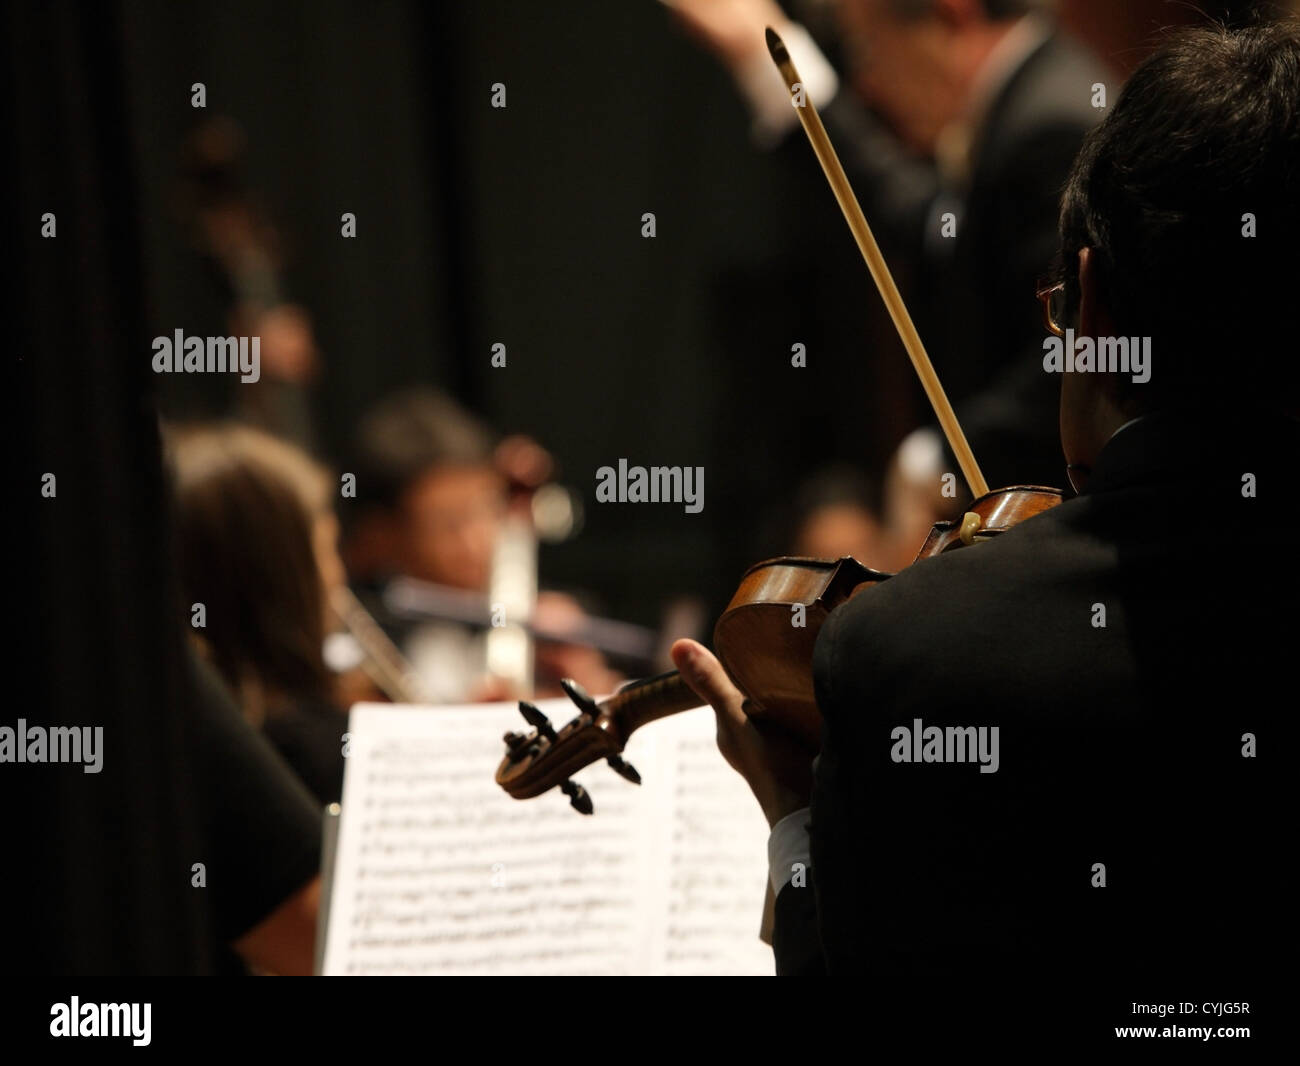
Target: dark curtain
(99, 864)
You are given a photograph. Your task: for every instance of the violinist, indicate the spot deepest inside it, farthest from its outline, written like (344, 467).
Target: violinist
(1121, 644)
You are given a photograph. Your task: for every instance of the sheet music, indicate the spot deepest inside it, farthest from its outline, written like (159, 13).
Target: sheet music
(439, 871)
(715, 859)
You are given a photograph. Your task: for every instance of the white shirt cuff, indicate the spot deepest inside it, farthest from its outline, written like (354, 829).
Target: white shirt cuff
(766, 93)
(788, 846)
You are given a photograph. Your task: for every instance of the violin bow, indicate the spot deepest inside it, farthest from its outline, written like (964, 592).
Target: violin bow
(839, 182)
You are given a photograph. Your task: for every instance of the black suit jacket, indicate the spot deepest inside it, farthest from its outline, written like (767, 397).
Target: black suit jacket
(973, 294)
(1120, 745)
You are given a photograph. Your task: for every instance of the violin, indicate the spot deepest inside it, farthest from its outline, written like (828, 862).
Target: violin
(765, 637)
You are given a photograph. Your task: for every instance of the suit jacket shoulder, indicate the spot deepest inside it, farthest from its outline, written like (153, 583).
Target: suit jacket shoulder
(1093, 651)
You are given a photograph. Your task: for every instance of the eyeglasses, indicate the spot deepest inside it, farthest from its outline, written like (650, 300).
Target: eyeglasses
(1052, 297)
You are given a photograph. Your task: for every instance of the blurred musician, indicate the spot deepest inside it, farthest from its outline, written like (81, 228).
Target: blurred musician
(433, 504)
(257, 541)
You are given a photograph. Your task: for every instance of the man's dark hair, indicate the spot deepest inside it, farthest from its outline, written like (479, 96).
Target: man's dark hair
(1201, 150)
(407, 435)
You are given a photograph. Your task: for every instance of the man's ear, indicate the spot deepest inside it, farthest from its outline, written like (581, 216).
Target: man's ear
(1094, 313)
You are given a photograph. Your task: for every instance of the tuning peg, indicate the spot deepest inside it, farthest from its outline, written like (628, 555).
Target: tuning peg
(579, 800)
(624, 768)
(580, 696)
(534, 717)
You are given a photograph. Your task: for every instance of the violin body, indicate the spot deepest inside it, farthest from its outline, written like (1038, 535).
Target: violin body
(765, 637)
(996, 511)
(764, 640)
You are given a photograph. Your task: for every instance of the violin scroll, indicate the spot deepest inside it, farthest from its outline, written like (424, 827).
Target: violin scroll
(546, 757)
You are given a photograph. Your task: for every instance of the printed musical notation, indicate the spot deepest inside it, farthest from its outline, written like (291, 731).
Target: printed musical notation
(438, 871)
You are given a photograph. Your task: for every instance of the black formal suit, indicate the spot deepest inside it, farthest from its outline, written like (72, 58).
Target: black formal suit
(973, 294)
(1119, 745)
